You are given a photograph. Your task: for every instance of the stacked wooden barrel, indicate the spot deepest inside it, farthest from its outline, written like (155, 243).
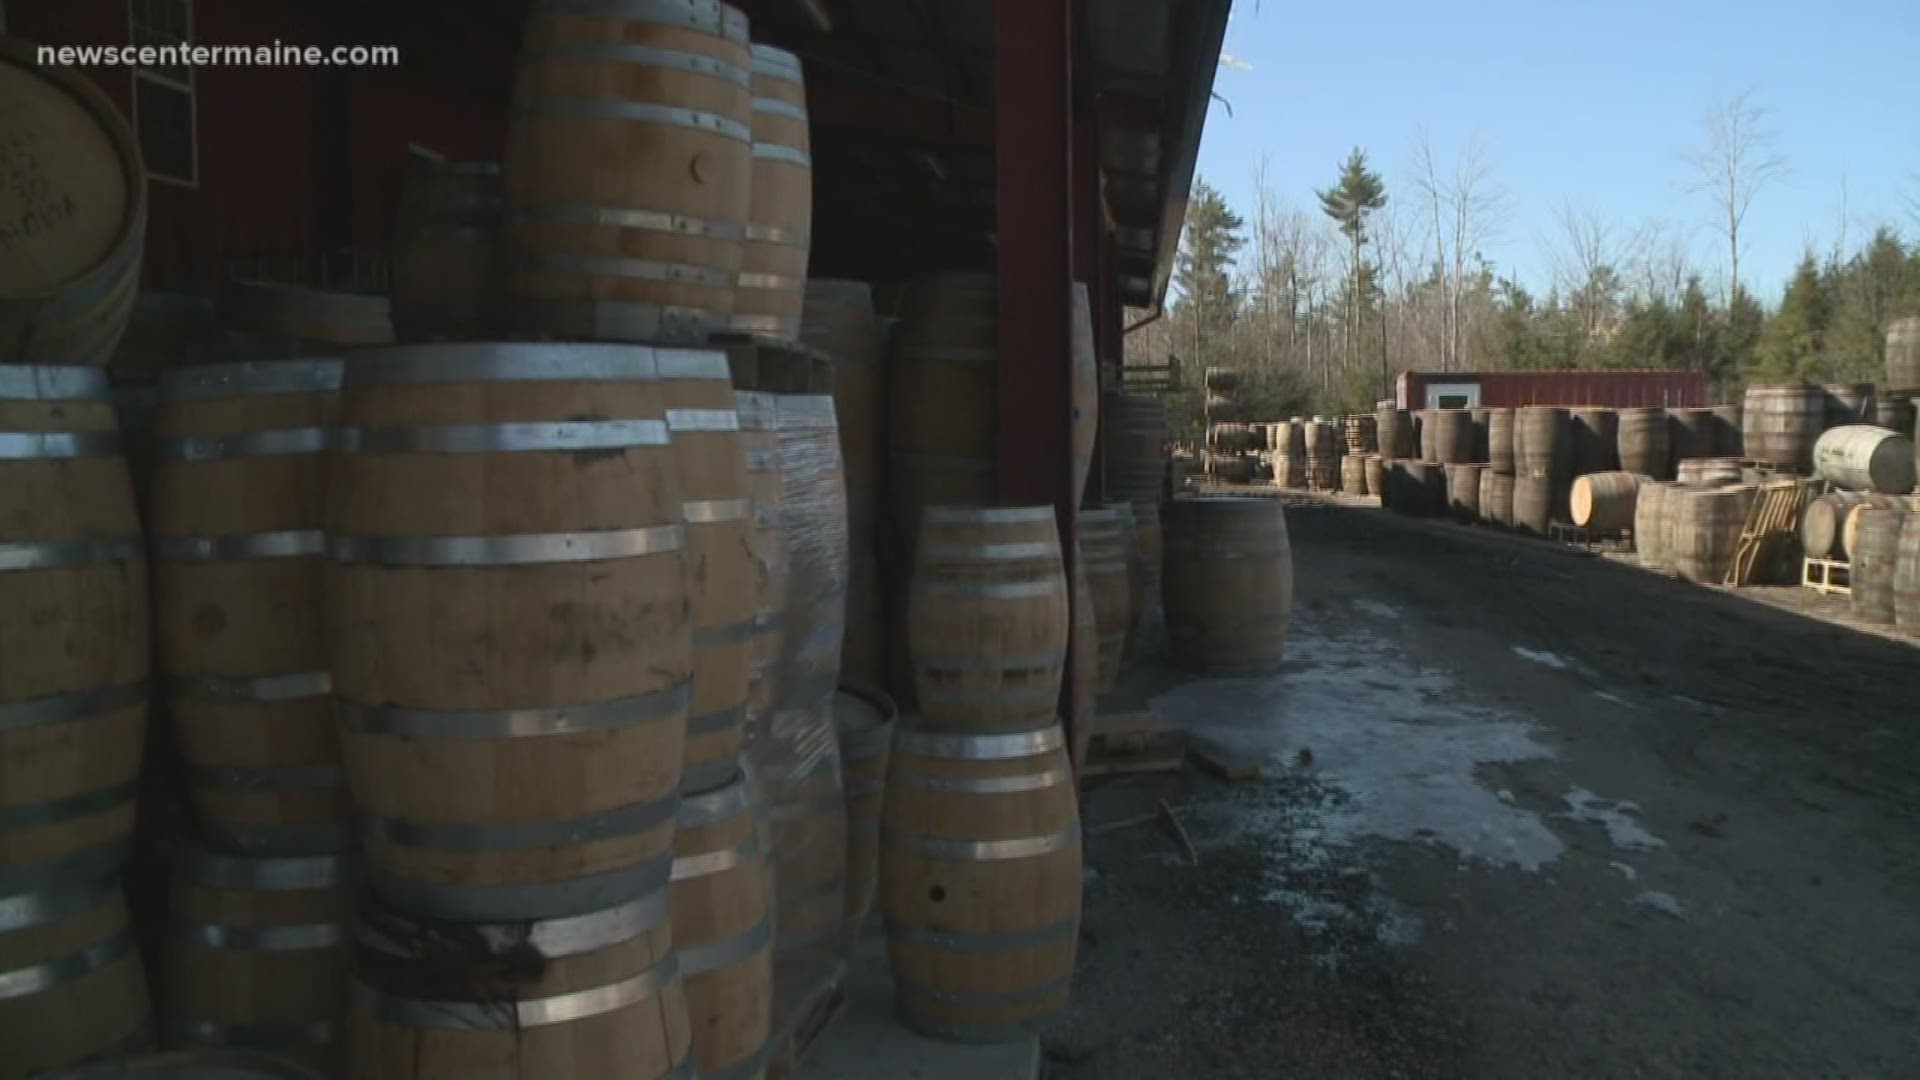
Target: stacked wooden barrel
(1543, 460)
(1875, 553)
(1782, 423)
(942, 398)
(448, 265)
(980, 836)
(838, 319)
(773, 261)
(1594, 435)
(1496, 498)
(1463, 492)
(1906, 574)
(1229, 584)
(1604, 502)
(1903, 356)
(1322, 442)
(1393, 433)
(723, 925)
(1649, 523)
(1705, 527)
(1644, 444)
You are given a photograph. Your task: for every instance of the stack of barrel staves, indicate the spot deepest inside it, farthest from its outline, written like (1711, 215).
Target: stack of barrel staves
(1232, 447)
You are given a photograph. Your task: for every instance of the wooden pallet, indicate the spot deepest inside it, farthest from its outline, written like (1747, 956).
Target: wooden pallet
(1133, 742)
(1820, 576)
(1772, 524)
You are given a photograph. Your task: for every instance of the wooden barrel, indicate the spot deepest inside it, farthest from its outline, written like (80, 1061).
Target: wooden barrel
(1424, 432)
(942, 397)
(838, 320)
(1848, 403)
(74, 213)
(196, 1065)
(71, 986)
(808, 808)
(1229, 584)
(813, 518)
(1361, 434)
(1604, 502)
(1906, 575)
(1376, 475)
(1729, 431)
(1103, 547)
(1690, 434)
(629, 170)
(449, 268)
(1353, 474)
(1708, 471)
(1222, 380)
(1533, 500)
(1705, 527)
(1482, 445)
(1821, 524)
(1894, 412)
(1781, 424)
(717, 503)
(1850, 519)
(595, 994)
(1393, 432)
(1594, 436)
(477, 524)
(863, 721)
(256, 954)
(1137, 570)
(1083, 664)
(721, 900)
(773, 263)
(1875, 560)
(767, 544)
(1903, 356)
(1542, 441)
(988, 618)
(1496, 498)
(980, 868)
(1452, 435)
(1463, 491)
(1236, 469)
(73, 630)
(1645, 446)
(1649, 523)
(239, 588)
(1223, 408)
(1136, 446)
(1864, 457)
(286, 311)
(1084, 390)
(1500, 434)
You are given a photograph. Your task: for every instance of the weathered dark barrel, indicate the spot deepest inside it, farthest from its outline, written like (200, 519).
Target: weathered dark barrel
(1353, 474)
(1463, 491)
(1500, 434)
(1136, 450)
(1690, 434)
(1423, 433)
(1729, 431)
(1848, 403)
(1865, 457)
(1452, 436)
(1705, 526)
(1894, 412)
(1604, 502)
(1850, 521)
(1427, 487)
(1361, 433)
(1595, 435)
(1496, 498)
(1222, 380)
(1482, 438)
(1393, 431)
(71, 985)
(1782, 422)
(1649, 522)
(1644, 445)
(1533, 500)
(1906, 574)
(1229, 584)
(1103, 555)
(1542, 442)
(1903, 356)
(1876, 553)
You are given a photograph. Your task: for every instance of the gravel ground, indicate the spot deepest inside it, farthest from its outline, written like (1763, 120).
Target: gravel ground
(1524, 814)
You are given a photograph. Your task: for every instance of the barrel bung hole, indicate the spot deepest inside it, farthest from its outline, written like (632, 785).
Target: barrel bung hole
(937, 894)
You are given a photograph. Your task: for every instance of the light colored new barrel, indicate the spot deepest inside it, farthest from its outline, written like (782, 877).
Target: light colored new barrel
(596, 994)
(773, 263)
(256, 954)
(629, 170)
(71, 985)
(980, 868)
(1875, 548)
(239, 551)
(942, 397)
(1865, 457)
(509, 623)
(448, 269)
(1103, 548)
(722, 904)
(73, 630)
(864, 721)
(73, 215)
(1604, 502)
(717, 505)
(988, 618)
(1705, 527)
(1229, 584)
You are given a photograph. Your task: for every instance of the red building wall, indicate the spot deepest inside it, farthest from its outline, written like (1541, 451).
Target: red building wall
(1612, 389)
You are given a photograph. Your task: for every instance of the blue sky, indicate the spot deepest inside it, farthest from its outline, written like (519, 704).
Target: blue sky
(1597, 103)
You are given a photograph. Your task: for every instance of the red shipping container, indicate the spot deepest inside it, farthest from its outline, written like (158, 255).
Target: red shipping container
(1510, 389)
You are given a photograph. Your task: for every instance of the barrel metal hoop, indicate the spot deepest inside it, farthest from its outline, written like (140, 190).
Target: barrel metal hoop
(286, 544)
(278, 442)
(641, 56)
(777, 64)
(730, 634)
(980, 747)
(100, 862)
(988, 515)
(1038, 549)
(974, 944)
(713, 277)
(988, 785)
(703, 420)
(58, 445)
(41, 977)
(53, 904)
(771, 106)
(268, 778)
(298, 938)
(532, 361)
(688, 867)
(510, 550)
(773, 234)
(784, 155)
(57, 554)
(657, 707)
(255, 1036)
(1025, 847)
(639, 112)
(253, 378)
(712, 807)
(565, 436)
(773, 282)
(520, 835)
(1016, 590)
(714, 723)
(803, 412)
(516, 1015)
(572, 213)
(710, 775)
(700, 959)
(66, 708)
(267, 688)
(707, 16)
(211, 870)
(30, 382)
(55, 811)
(984, 999)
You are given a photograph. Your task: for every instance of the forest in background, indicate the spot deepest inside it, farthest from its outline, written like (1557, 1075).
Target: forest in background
(1319, 304)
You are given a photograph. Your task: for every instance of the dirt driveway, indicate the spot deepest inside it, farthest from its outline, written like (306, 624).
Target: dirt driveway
(1525, 814)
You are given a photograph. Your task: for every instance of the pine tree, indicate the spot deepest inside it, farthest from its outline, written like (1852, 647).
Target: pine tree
(1358, 193)
(1791, 345)
(1204, 314)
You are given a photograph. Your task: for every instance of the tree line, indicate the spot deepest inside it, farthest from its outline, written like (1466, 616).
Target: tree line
(1319, 306)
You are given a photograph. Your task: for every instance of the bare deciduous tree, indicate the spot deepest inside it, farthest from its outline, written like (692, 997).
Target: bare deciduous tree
(1736, 161)
(1467, 210)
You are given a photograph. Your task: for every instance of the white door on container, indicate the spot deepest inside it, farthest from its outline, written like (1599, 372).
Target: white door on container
(1453, 395)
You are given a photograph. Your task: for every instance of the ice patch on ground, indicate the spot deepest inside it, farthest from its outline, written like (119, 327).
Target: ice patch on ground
(1376, 609)
(1622, 830)
(1626, 871)
(1607, 695)
(1664, 903)
(1541, 657)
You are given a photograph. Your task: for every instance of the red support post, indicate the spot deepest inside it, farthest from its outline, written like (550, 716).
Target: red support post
(1033, 154)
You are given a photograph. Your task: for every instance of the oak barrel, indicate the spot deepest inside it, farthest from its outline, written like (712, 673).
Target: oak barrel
(73, 216)
(1229, 584)
(1595, 437)
(594, 994)
(1604, 501)
(1425, 433)
(1645, 443)
(1500, 436)
(721, 900)
(1850, 520)
(1892, 411)
(1353, 474)
(1875, 561)
(863, 720)
(1542, 441)
(1361, 434)
(256, 954)
(477, 523)
(767, 546)
(196, 1065)
(773, 263)
(1903, 356)
(1649, 523)
(838, 320)
(1709, 471)
(988, 618)
(942, 397)
(1393, 431)
(813, 519)
(1136, 447)
(980, 866)
(1822, 522)
(71, 984)
(1781, 424)
(448, 274)
(73, 630)
(1463, 492)
(629, 170)
(1533, 503)
(239, 561)
(1906, 575)
(1729, 431)
(1376, 480)
(1103, 551)
(1705, 526)
(1865, 457)
(1496, 498)
(1690, 434)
